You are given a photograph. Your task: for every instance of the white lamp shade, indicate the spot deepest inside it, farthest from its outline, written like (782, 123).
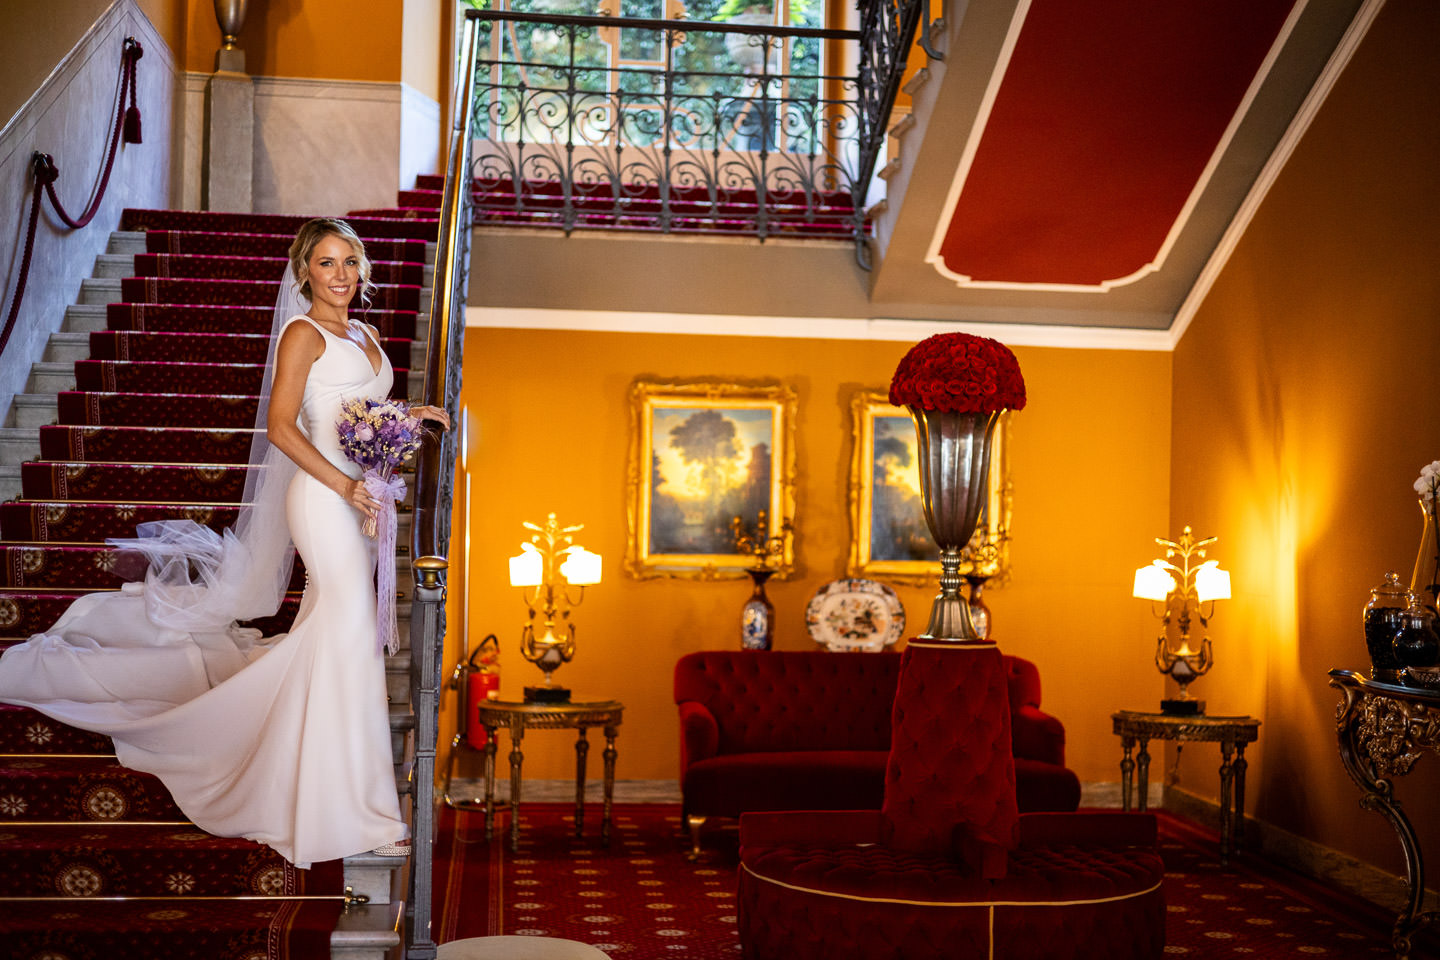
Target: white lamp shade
(1153, 583)
(581, 567)
(1212, 583)
(527, 569)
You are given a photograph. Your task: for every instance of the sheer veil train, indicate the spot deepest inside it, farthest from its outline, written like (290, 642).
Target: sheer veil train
(199, 582)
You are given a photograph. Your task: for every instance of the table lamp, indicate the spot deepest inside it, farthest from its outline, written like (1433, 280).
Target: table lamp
(1183, 588)
(547, 566)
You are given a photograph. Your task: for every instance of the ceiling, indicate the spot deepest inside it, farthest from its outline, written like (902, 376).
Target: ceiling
(1079, 162)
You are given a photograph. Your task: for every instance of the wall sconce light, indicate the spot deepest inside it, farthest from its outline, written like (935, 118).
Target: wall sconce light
(1184, 588)
(547, 567)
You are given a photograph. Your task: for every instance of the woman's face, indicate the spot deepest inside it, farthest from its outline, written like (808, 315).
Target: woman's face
(334, 272)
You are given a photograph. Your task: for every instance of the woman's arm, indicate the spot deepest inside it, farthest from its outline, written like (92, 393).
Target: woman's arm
(300, 346)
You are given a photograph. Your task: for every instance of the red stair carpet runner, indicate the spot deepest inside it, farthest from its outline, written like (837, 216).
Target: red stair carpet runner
(641, 897)
(157, 427)
(823, 214)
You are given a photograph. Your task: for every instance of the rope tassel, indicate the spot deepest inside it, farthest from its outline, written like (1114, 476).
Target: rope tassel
(133, 52)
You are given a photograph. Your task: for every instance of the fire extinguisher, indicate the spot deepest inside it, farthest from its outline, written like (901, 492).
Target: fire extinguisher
(482, 682)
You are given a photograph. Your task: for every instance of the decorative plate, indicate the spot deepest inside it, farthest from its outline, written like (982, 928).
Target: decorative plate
(855, 614)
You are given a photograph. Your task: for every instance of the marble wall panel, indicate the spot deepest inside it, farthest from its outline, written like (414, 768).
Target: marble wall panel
(70, 116)
(421, 148)
(192, 139)
(325, 147)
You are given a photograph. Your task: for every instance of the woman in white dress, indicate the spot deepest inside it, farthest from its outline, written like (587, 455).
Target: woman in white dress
(284, 740)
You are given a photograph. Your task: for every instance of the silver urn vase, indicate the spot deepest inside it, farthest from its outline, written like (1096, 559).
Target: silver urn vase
(954, 455)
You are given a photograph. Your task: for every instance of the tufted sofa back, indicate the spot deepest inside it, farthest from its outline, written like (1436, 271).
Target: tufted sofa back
(792, 700)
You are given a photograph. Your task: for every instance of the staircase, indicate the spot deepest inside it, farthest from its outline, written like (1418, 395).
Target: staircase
(141, 409)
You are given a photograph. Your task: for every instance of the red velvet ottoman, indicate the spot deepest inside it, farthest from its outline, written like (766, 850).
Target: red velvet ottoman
(948, 867)
(817, 886)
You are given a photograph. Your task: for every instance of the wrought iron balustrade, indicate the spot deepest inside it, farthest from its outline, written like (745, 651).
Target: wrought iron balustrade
(680, 125)
(666, 125)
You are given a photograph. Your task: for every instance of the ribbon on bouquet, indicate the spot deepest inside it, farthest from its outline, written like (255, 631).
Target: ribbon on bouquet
(387, 490)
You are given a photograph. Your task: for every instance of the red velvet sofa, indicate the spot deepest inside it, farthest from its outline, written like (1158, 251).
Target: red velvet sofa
(810, 730)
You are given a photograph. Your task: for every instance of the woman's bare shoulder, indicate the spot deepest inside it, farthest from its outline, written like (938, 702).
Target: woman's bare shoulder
(300, 336)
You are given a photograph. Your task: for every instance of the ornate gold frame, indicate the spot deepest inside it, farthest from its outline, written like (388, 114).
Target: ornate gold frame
(989, 550)
(648, 396)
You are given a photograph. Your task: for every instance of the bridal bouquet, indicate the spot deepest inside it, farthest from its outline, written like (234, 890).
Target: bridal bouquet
(380, 435)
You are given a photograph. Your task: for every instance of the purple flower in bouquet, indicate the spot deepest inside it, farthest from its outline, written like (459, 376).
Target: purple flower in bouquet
(380, 435)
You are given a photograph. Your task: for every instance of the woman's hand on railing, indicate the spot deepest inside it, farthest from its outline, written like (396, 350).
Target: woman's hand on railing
(436, 414)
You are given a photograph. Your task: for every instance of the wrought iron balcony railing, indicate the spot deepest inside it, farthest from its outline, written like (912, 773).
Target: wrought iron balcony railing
(680, 125)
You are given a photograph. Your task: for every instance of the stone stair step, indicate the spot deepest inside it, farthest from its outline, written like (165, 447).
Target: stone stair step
(367, 932)
(51, 377)
(117, 265)
(84, 318)
(133, 241)
(10, 482)
(122, 265)
(87, 318)
(33, 410)
(85, 789)
(126, 241)
(18, 444)
(67, 347)
(204, 928)
(100, 290)
(159, 862)
(374, 876)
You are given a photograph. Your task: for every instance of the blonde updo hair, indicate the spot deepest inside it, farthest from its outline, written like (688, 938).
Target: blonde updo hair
(310, 235)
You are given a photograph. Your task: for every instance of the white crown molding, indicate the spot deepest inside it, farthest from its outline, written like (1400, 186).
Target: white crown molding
(311, 88)
(1334, 67)
(816, 328)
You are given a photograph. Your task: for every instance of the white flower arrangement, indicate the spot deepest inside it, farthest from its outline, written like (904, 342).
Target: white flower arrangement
(1428, 486)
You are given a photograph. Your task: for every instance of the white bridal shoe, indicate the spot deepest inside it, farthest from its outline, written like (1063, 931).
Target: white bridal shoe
(400, 849)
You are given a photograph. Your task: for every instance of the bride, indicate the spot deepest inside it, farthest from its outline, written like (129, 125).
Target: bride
(284, 740)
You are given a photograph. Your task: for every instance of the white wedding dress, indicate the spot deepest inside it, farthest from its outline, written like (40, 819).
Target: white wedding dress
(284, 740)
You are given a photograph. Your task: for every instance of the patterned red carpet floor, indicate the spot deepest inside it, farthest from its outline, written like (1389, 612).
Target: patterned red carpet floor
(640, 899)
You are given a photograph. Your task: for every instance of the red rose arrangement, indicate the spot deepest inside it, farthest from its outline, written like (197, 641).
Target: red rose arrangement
(961, 373)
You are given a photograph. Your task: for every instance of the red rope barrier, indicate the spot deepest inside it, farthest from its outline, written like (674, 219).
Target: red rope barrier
(42, 165)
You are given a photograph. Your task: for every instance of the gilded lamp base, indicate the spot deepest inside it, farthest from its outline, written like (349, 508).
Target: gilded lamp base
(1176, 707)
(547, 694)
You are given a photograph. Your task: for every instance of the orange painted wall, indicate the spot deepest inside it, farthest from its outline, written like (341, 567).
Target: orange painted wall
(35, 37)
(1306, 401)
(332, 39)
(1090, 458)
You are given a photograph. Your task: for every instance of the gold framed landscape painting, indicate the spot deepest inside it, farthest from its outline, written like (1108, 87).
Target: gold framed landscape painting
(701, 454)
(889, 539)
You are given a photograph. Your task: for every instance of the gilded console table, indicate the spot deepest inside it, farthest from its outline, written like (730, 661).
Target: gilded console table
(517, 717)
(1383, 728)
(1232, 733)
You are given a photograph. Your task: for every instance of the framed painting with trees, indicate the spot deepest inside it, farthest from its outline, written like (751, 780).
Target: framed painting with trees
(889, 539)
(701, 454)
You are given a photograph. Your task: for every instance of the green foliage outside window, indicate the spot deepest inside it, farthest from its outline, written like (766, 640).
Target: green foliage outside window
(557, 79)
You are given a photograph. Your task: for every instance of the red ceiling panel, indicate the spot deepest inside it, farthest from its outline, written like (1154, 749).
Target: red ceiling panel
(1106, 118)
